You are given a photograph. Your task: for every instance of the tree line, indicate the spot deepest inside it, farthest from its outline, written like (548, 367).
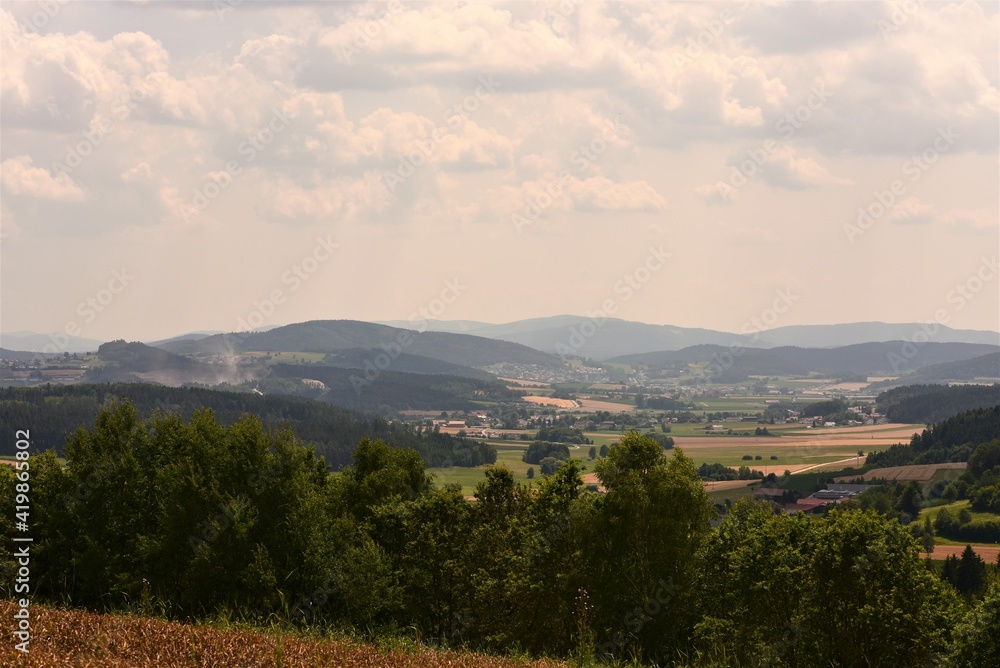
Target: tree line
(952, 440)
(53, 412)
(928, 404)
(193, 518)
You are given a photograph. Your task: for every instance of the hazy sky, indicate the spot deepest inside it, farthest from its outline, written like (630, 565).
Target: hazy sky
(177, 166)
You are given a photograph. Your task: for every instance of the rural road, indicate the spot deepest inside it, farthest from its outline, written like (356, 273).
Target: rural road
(816, 466)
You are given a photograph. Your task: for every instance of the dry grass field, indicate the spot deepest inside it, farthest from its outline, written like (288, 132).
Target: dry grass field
(588, 404)
(62, 638)
(549, 401)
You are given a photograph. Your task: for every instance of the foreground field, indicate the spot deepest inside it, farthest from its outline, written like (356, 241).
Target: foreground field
(76, 638)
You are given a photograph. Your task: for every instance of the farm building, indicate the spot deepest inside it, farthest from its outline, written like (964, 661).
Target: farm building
(807, 505)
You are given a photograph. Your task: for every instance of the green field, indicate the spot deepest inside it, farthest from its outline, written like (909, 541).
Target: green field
(733, 495)
(510, 456)
(733, 456)
(955, 508)
(507, 455)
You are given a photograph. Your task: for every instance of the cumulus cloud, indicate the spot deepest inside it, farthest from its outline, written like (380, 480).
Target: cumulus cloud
(785, 169)
(21, 178)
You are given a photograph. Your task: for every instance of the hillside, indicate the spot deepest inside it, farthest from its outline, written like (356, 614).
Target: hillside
(350, 388)
(331, 336)
(131, 362)
(986, 366)
(951, 440)
(361, 358)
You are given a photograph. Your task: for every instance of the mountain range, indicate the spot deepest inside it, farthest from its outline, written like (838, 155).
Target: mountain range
(531, 341)
(613, 337)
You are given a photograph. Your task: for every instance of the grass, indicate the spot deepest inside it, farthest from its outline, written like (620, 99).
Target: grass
(786, 456)
(955, 508)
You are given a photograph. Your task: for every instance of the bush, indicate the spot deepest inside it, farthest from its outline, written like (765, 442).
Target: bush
(549, 465)
(539, 450)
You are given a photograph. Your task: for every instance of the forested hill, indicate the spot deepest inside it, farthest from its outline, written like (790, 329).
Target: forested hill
(357, 390)
(126, 362)
(928, 404)
(331, 336)
(952, 440)
(53, 412)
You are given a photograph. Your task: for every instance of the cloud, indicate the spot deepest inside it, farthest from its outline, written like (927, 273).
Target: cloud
(599, 193)
(21, 178)
(913, 211)
(785, 169)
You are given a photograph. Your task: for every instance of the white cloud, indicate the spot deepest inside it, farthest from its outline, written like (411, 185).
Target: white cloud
(914, 211)
(785, 169)
(21, 178)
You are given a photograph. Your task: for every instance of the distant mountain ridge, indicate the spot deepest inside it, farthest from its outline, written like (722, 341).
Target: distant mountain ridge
(890, 358)
(613, 337)
(56, 343)
(561, 334)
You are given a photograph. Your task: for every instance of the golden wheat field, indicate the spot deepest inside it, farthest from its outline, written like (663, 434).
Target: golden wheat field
(63, 638)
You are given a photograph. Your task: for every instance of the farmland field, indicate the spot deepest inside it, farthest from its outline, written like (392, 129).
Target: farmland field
(987, 553)
(507, 455)
(591, 405)
(549, 401)
(798, 451)
(919, 473)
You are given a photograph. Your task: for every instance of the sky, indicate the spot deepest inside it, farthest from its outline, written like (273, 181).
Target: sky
(168, 167)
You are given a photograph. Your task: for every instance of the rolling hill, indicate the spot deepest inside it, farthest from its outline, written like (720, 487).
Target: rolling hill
(335, 336)
(131, 362)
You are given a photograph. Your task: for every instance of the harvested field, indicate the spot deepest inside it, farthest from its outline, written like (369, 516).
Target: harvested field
(523, 383)
(919, 473)
(988, 553)
(846, 387)
(598, 405)
(720, 485)
(861, 437)
(76, 638)
(549, 401)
